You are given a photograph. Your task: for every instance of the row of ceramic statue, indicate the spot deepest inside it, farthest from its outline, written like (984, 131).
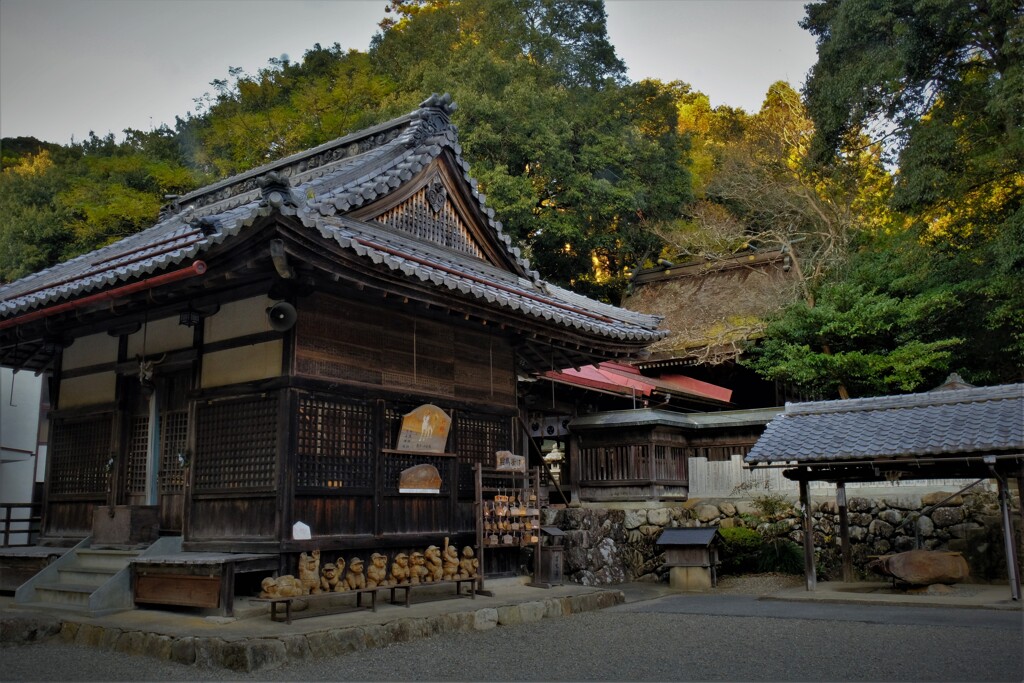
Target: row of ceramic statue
(432, 565)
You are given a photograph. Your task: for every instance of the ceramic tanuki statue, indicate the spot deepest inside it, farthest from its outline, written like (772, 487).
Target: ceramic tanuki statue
(309, 572)
(435, 571)
(330, 579)
(400, 570)
(354, 578)
(468, 565)
(286, 586)
(450, 563)
(417, 568)
(377, 572)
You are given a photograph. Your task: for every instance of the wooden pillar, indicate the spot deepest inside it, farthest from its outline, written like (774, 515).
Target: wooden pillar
(1012, 567)
(844, 531)
(808, 532)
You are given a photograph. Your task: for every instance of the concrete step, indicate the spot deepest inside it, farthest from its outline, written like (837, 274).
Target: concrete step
(113, 559)
(65, 594)
(85, 575)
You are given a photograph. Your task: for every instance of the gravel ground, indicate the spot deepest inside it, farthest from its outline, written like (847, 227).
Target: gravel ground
(649, 641)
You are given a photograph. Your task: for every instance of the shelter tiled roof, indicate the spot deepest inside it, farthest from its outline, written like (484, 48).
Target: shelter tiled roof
(320, 188)
(966, 421)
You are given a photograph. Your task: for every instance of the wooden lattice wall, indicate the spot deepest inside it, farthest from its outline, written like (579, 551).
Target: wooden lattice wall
(236, 445)
(80, 449)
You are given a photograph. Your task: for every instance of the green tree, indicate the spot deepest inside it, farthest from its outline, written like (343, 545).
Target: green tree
(941, 84)
(573, 159)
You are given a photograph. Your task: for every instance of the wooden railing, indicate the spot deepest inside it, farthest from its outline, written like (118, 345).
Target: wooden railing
(632, 463)
(19, 523)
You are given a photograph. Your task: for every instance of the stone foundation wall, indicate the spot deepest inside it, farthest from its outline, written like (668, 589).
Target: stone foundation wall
(608, 546)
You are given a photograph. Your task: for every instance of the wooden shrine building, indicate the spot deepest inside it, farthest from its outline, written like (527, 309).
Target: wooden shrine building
(245, 363)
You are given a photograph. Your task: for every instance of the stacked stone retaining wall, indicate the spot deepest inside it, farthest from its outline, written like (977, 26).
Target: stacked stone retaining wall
(608, 546)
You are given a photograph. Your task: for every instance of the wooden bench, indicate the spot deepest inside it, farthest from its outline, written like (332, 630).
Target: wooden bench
(408, 588)
(319, 597)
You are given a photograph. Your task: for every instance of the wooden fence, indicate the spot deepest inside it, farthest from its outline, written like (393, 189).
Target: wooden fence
(19, 523)
(730, 479)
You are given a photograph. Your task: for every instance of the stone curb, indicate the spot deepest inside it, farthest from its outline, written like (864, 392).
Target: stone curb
(260, 653)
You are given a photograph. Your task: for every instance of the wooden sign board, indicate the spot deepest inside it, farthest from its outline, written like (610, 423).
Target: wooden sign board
(424, 430)
(506, 461)
(420, 479)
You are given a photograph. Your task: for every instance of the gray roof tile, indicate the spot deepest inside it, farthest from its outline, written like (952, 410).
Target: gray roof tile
(327, 181)
(973, 420)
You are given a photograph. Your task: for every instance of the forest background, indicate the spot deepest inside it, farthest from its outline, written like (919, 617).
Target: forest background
(893, 179)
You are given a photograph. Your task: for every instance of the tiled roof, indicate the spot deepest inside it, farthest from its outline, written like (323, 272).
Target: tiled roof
(318, 187)
(979, 420)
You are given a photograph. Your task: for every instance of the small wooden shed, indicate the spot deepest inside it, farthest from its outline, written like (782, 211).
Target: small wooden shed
(692, 555)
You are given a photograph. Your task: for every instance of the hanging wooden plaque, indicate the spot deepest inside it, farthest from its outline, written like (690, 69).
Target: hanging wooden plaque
(506, 461)
(424, 430)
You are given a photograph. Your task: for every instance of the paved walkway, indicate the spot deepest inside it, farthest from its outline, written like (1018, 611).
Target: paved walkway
(251, 642)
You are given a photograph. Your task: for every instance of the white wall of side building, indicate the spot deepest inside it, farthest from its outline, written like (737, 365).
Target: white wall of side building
(22, 442)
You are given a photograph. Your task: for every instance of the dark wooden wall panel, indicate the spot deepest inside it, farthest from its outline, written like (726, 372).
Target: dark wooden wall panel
(335, 515)
(70, 519)
(248, 517)
(412, 514)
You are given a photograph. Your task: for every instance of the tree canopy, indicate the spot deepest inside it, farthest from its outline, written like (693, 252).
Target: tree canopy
(894, 183)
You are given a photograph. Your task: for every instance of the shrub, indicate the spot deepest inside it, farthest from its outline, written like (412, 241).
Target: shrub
(780, 555)
(739, 551)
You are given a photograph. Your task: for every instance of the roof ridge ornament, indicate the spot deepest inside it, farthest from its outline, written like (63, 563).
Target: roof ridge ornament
(276, 190)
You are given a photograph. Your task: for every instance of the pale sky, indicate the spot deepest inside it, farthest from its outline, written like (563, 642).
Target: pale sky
(71, 66)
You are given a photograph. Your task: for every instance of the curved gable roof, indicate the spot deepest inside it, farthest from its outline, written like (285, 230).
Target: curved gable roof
(323, 189)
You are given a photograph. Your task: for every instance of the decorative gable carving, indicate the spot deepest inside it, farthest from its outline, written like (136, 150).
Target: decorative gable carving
(430, 215)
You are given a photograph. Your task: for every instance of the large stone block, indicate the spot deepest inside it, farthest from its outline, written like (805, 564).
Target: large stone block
(708, 513)
(634, 518)
(659, 516)
(947, 516)
(929, 499)
(893, 517)
(530, 612)
(727, 508)
(509, 615)
(880, 529)
(183, 651)
(485, 619)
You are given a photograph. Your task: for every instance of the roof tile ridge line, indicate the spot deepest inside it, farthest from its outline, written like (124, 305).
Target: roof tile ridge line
(480, 281)
(915, 400)
(492, 223)
(284, 162)
(611, 309)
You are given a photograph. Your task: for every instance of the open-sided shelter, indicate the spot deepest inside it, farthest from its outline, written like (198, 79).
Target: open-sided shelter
(245, 363)
(954, 431)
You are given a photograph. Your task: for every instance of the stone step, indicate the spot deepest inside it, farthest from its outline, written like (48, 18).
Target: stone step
(85, 575)
(113, 559)
(65, 594)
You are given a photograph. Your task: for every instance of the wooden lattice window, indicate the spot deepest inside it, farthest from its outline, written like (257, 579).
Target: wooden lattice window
(439, 223)
(80, 450)
(236, 444)
(335, 444)
(138, 450)
(479, 438)
(614, 463)
(173, 442)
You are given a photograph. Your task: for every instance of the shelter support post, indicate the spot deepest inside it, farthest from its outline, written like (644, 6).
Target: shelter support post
(805, 503)
(1012, 567)
(844, 531)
